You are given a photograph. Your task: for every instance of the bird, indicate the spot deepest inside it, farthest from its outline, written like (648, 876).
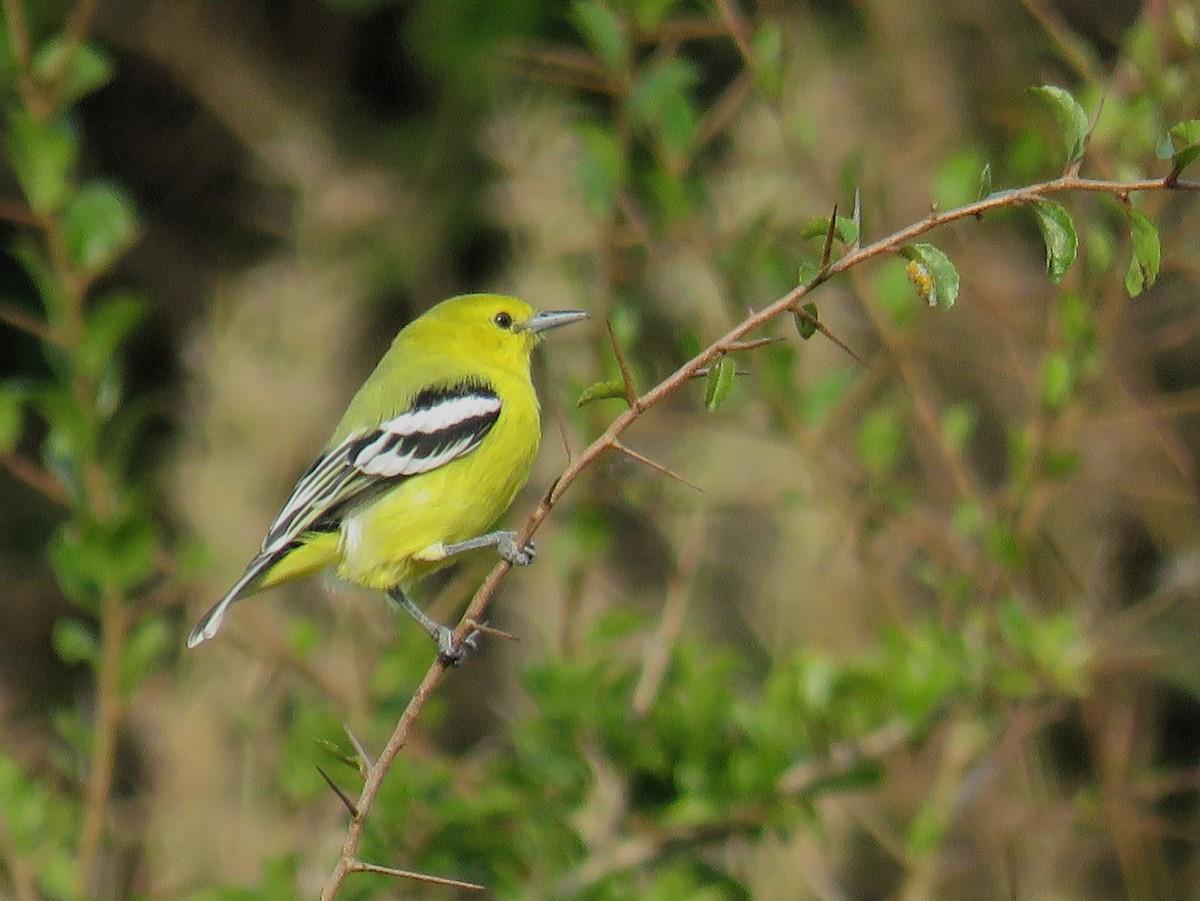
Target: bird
(430, 452)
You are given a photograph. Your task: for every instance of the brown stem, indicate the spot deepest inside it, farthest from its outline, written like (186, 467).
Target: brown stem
(115, 622)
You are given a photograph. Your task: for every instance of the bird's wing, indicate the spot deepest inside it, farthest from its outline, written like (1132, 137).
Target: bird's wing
(441, 425)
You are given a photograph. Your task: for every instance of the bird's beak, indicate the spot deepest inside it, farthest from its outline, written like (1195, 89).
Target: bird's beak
(543, 322)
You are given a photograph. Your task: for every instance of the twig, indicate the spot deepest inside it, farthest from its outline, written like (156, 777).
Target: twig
(114, 622)
(790, 301)
(35, 477)
(31, 325)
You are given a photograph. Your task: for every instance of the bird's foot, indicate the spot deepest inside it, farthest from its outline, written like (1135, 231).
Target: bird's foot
(517, 555)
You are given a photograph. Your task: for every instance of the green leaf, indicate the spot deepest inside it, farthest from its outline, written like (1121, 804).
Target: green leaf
(932, 273)
(767, 45)
(603, 33)
(657, 92)
(43, 156)
(808, 272)
(87, 68)
(147, 644)
(108, 324)
(92, 558)
(845, 229)
(74, 642)
(806, 325)
(1147, 254)
(1057, 381)
(99, 223)
(1058, 234)
(649, 14)
(1181, 145)
(602, 391)
(720, 382)
(12, 417)
(1185, 134)
(958, 425)
(880, 441)
(602, 170)
(1072, 121)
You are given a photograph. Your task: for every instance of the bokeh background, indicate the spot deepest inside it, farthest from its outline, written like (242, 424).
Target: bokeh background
(930, 628)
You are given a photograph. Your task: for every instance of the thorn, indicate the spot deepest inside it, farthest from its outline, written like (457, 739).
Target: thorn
(561, 420)
(617, 445)
(857, 217)
(359, 749)
(361, 866)
(827, 250)
(703, 372)
(345, 799)
(631, 395)
(752, 344)
(824, 330)
(492, 630)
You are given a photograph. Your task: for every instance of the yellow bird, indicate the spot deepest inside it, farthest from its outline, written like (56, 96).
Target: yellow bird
(431, 451)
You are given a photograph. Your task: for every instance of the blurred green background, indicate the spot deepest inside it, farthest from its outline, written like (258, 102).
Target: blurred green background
(928, 631)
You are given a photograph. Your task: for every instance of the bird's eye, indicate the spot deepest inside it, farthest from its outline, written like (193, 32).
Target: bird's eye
(503, 320)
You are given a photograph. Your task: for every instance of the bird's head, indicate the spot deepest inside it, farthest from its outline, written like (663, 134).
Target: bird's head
(497, 326)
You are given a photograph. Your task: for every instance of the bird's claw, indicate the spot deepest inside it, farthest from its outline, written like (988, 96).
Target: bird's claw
(452, 654)
(507, 548)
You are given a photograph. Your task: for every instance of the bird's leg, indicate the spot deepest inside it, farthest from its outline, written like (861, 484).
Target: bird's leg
(503, 540)
(448, 652)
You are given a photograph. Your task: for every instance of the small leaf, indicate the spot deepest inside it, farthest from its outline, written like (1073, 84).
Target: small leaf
(99, 223)
(603, 33)
(845, 229)
(720, 382)
(1185, 134)
(1058, 234)
(660, 102)
(806, 325)
(768, 58)
(146, 646)
(43, 156)
(87, 67)
(12, 417)
(1147, 254)
(1181, 145)
(1072, 121)
(656, 88)
(1185, 158)
(602, 169)
(74, 642)
(601, 391)
(107, 325)
(932, 273)
(985, 182)
(1058, 382)
(808, 272)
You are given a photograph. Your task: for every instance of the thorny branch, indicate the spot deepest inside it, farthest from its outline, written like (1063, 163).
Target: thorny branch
(348, 861)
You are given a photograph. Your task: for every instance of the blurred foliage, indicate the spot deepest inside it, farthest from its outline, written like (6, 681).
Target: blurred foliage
(928, 633)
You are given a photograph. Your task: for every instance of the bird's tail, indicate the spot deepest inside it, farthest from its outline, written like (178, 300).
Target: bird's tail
(211, 621)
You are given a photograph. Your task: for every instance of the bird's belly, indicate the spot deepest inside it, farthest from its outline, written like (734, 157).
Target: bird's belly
(381, 542)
